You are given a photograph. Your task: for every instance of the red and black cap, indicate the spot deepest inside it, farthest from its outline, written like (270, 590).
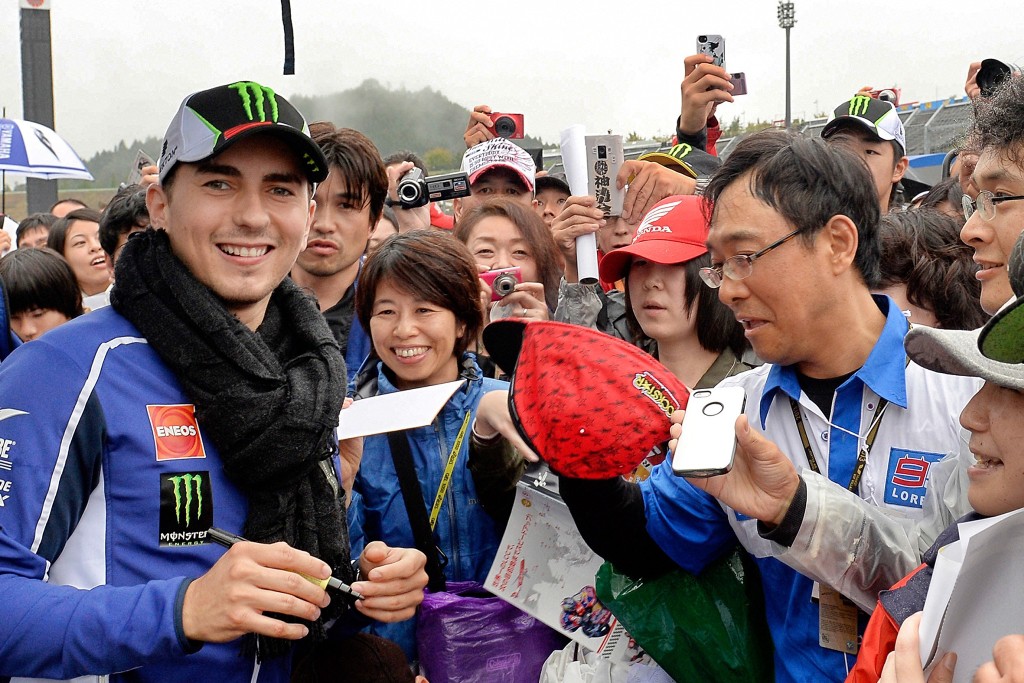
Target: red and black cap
(593, 406)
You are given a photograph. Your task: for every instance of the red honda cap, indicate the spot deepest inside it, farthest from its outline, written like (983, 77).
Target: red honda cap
(593, 406)
(673, 231)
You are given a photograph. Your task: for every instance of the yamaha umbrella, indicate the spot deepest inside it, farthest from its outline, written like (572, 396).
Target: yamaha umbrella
(34, 150)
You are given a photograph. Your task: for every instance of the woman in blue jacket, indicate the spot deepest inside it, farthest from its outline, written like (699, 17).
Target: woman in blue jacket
(419, 297)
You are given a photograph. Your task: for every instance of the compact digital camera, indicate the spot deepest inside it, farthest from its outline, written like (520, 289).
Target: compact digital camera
(416, 189)
(502, 281)
(507, 125)
(891, 95)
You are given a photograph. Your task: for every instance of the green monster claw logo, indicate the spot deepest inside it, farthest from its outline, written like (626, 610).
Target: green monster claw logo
(859, 105)
(185, 482)
(249, 90)
(680, 150)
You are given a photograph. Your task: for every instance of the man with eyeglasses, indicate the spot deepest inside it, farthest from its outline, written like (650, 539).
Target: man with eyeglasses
(838, 420)
(996, 218)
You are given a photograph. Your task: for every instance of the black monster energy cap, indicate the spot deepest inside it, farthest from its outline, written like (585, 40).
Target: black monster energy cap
(209, 121)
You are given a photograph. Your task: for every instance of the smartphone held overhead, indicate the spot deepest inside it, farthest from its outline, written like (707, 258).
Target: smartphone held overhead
(713, 45)
(707, 442)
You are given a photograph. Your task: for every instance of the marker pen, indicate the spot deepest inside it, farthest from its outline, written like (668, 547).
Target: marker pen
(228, 539)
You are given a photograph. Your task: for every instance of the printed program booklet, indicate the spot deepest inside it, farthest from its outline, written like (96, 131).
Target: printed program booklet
(545, 568)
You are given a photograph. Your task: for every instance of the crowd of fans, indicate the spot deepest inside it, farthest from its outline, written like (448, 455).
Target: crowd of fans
(209, 324)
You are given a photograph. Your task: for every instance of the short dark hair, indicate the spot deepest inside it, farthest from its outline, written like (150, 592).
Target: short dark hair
(406, 155)
(126, 212)
(717, 327)
(921, 249)
(357, 159)
(68, 200)
(534, 231)
(946, 190)
(34, 222)
(428, 264)
(40, 278)
(999, 121)
(807, 181)
(59, 230)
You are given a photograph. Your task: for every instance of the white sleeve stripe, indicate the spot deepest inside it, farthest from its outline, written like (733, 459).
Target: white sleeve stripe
(69, 432)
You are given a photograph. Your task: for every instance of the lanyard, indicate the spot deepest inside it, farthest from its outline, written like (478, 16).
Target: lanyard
(449, 467)
(862, 456)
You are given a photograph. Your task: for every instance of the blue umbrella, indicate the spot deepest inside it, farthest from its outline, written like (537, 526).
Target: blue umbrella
(34, 150)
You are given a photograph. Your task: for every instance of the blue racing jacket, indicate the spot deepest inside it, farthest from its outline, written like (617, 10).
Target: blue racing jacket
(465, 533)
(107, 487)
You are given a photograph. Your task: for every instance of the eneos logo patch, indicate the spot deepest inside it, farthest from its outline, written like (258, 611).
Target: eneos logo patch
(176, 432)
(908, 470)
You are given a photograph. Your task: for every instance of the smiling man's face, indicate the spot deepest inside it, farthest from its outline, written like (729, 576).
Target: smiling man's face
(238, 221)
(993, 240)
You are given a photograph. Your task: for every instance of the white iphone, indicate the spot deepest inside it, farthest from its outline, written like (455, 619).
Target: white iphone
(707, 443)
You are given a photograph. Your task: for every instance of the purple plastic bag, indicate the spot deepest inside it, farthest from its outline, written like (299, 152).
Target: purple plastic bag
(467, 635)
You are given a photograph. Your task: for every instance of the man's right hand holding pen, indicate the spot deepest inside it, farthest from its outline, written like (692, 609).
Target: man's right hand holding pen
(253, 578)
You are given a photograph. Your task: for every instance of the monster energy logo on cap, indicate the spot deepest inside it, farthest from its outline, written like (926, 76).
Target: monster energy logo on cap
(859, 105)
(186, 508)
(681, 150)
(248, 91)
(877, 116)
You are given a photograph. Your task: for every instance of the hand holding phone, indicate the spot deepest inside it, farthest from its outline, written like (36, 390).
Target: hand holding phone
(707, 441)
(713, 45)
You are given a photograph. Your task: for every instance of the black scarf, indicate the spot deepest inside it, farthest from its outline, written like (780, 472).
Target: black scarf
(269, 400)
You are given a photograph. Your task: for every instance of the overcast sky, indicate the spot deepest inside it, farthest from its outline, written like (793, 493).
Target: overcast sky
(121, 68)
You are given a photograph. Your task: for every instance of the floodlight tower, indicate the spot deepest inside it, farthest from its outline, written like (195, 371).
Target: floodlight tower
(787, 18)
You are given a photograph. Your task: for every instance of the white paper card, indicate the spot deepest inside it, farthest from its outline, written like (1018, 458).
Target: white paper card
(11, 228)
(987, 601)
(391, 412)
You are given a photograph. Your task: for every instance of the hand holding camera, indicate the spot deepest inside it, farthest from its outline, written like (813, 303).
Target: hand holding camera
(416, 189)
(511, 297)
(480, 127)
(485, 124)
(502, 281)
(507, 125)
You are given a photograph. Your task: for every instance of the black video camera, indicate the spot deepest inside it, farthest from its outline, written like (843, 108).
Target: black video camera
(416, 189)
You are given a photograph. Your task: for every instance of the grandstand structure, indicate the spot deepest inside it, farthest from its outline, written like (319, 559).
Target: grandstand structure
(933, 128)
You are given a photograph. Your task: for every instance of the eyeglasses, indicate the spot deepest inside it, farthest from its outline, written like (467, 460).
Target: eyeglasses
(738, 267)
(985, 204)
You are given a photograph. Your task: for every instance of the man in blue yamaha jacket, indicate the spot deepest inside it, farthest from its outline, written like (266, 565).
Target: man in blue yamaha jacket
(206, 395)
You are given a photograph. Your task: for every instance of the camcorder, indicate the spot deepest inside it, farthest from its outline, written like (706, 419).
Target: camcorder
(502, 281)
(993, 73)
(416, 189)
(507, 125)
